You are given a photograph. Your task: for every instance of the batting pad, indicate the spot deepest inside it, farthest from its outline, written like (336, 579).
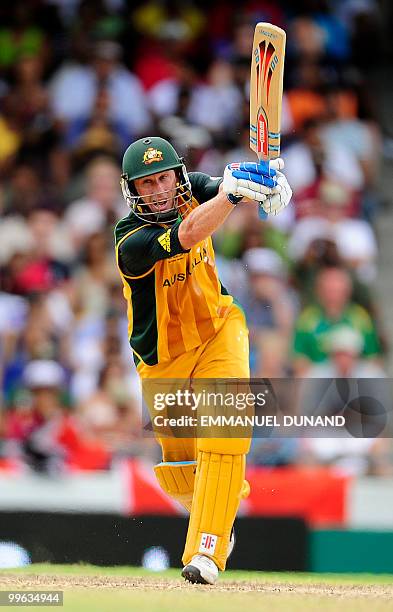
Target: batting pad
(177, 479)
(219, 484)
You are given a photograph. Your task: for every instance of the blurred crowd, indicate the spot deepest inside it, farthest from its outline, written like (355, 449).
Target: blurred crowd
(79, 80)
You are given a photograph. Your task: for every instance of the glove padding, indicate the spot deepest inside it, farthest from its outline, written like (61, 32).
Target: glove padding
(261, 181)
(280, 198)
(240, 183)
(257, 172)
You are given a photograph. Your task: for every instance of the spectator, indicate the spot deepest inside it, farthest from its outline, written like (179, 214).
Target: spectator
(269, 304)
(44, 379)
(272, 354)
(24, 190)
(29, 99)
(332, 308)
(101, 205)
(361, 137)
(50, 240)
(92, 278)
(344, 126)
(311, 158)
(110, 413)
(241, 233)
(217, 104)
(97, 134)
(166, 97)
(21, 36)
(352, 455)
(344, 346)
(10, 136)
(47, 437)
(41, 263)
(85, 81)
(304, 98)
(354, 238)
(174, 19)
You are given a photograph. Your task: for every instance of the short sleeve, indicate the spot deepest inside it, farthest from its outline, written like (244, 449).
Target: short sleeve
(144, 247)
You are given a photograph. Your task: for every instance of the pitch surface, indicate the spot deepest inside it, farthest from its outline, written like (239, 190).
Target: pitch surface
(91, 588)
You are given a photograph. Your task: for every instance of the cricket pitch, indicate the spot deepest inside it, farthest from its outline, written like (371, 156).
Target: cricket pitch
(90, 588)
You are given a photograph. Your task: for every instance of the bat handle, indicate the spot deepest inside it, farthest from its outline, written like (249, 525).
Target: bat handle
(261, 213)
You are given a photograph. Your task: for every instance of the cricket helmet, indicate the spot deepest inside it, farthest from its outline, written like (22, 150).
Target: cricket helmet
(148, 156)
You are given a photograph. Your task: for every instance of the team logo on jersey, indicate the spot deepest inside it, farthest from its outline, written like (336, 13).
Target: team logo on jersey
(208, 543)
(152, 155)
(165, 240)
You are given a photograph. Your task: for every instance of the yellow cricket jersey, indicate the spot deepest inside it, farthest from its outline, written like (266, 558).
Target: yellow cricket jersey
(175, 300)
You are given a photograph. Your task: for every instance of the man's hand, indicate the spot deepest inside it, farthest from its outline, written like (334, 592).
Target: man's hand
(281, 196)
(252, 184)
(265, 179)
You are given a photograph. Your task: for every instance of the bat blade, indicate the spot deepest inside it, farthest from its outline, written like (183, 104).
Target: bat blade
(266, 87)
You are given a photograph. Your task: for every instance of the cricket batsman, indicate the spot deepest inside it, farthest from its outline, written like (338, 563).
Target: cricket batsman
(183, 323)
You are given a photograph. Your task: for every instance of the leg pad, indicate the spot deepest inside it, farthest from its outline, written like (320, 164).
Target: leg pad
(219, 486)
(177, 479)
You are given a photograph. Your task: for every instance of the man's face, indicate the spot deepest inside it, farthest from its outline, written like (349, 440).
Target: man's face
(334, 288)
(158, 190)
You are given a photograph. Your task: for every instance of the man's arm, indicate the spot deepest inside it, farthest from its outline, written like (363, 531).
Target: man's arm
(261, 181)
(204, 220)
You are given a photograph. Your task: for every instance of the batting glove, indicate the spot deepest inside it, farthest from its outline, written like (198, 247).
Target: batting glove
(280, 197)
(263, 172)
(240, 184)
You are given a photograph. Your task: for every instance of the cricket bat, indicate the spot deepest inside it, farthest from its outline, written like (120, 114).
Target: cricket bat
(266, 85)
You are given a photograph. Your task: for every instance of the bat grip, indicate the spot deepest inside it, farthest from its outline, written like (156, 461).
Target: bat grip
(261, 213)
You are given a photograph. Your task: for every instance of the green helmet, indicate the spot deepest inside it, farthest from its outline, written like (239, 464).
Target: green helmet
(149, 156)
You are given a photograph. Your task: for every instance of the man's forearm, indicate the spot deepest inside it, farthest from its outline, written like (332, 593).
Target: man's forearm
(204, 220)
